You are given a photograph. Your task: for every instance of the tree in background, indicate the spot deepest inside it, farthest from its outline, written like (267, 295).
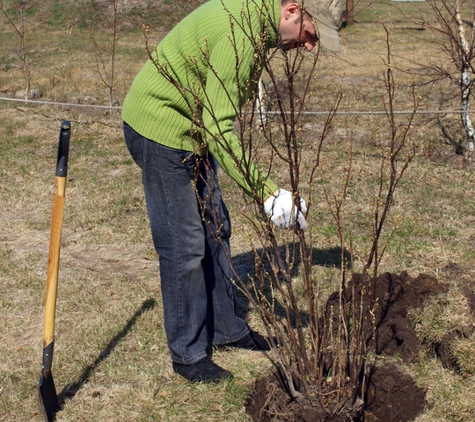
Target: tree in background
(453, 24)
(103, 23)
(17, 14)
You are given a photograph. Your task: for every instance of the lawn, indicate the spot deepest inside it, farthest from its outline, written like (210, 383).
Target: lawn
(111, 362)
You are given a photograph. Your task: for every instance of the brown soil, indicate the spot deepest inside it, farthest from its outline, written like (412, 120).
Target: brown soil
(392, 395)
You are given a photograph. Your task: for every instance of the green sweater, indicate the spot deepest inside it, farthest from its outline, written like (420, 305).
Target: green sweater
(208, 56)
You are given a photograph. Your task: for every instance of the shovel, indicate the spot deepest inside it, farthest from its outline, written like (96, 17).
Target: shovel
(46, 390)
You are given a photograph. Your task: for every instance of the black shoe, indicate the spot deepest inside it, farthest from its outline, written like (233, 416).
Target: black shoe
(205, 370)
(252, 341)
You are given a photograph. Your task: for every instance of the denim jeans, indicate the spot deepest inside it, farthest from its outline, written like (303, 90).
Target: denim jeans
(197, 292)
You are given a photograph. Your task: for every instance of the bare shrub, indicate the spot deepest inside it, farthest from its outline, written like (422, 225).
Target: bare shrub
(321, 347)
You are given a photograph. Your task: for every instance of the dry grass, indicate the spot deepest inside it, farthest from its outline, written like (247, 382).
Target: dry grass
(111, 358)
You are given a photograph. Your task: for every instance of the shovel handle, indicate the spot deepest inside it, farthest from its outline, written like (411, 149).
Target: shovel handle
(55, 236)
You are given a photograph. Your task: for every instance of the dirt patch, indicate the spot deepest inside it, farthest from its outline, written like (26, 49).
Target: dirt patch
(391, 395)
(270, 402)
(396, 295)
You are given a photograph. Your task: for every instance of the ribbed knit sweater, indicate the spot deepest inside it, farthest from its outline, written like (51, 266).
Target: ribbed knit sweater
(206, 67)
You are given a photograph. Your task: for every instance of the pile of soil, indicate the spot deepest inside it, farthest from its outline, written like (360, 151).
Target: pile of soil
(391, 395)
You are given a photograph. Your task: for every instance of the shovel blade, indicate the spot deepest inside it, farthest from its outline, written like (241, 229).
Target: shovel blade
(49, 404)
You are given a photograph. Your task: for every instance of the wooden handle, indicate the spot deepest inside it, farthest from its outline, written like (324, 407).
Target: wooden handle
(53, 261)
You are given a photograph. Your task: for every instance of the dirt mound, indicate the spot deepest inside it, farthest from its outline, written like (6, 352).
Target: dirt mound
(391, 395)
(396, 295)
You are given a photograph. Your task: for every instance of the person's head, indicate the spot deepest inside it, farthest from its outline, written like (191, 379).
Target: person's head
(305, 22)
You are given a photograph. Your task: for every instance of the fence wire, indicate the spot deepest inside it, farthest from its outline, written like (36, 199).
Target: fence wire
(270, 113)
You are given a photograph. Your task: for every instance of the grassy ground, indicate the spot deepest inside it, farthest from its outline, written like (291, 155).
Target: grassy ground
(111, 362)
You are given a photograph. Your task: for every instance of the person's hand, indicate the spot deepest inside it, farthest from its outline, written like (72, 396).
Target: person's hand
(282, 212)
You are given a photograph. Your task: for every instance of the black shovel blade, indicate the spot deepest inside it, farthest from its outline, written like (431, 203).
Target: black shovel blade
(49, 404)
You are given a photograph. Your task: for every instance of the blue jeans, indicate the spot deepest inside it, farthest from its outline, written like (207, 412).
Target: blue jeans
(197, 292)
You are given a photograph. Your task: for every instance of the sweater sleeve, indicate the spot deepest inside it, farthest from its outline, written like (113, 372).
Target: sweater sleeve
(228, 86)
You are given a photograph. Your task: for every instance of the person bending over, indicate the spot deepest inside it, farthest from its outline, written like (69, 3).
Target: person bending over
(184, 204)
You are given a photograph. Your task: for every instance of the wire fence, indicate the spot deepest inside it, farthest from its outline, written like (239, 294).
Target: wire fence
(308, 112)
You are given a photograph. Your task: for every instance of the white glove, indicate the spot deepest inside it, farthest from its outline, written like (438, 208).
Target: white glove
(281, 210)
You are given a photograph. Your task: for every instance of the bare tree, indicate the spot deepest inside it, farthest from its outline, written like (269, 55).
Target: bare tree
(15, 12)
(353, 8)
(105, 41)
(453, 23)
(467, 50)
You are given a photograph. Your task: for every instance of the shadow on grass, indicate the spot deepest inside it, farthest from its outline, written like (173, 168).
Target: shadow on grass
(457, 145)
(331, 257)
(70, 390)
(327, 257)
(244, 264)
